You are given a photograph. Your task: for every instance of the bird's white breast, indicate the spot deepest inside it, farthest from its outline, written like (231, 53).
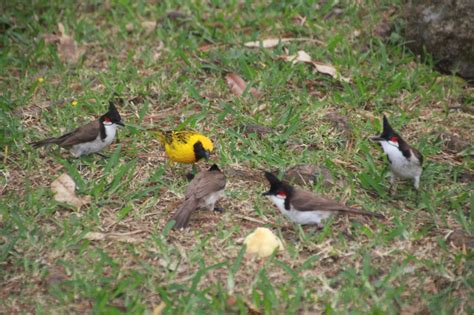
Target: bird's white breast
(400, 165)
(300, 217)
(97, 144)
(211, 200)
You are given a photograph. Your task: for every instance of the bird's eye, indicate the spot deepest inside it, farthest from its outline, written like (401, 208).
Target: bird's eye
(394, 139)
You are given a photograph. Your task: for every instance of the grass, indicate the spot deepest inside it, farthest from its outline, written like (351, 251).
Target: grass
(173, 75)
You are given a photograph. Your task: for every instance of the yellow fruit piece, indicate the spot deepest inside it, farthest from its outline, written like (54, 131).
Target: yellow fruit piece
(262, 242)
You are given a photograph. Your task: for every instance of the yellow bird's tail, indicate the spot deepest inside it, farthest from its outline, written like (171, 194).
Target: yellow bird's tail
(160, 134)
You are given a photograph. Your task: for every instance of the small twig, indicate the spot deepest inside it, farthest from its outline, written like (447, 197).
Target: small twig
(240, 216)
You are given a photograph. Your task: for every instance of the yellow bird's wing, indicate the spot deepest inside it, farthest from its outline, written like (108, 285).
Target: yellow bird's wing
(180, 148)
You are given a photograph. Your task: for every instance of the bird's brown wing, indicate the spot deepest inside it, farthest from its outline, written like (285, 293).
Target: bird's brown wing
(204, 183)
(307, 201)
(212, 182)
(82, 134)
(418, 155)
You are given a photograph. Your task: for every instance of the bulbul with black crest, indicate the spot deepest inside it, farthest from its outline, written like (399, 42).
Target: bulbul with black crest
(90, 138)
(305, 207)
(404, 160)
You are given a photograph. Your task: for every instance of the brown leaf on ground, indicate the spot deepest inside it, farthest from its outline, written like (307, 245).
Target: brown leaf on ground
(56, 275)
(339, 122)
(325, 68)
(460, 238)
(158, 309)
(64, 191)
(149, 26)
(308, 174)
(384, 28)
(261, 131)
(452, 142)
(267, 43)
(302, 56)
(68, 50)
(251, 308)
(50, 38)
(238, 86)
(466, 177)
(120, 237)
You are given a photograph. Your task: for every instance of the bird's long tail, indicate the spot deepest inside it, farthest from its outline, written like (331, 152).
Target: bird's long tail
(363, 212)
(44, 142)
(160, 134)
(182, 215)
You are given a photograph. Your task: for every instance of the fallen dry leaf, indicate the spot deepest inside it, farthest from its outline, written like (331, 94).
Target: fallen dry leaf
(260, 131)
(326, 69)
(64, 191)
(149, 26)
(302, 56)
(262, 242)
(56, 275)
(460, 238)
(451, 142)
(238, 86)
(68, 49)
(158, 309)
(339, 122)
(120, 237)
(94, 236)
(267, 43)
(330, 70)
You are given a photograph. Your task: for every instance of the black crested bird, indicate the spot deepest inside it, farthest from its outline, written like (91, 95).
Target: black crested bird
(90, 138)
(305, 207)
(206, 188)
(404, 161)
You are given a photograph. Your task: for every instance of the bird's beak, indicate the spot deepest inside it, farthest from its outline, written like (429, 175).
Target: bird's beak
(267, 193)
(376, 138)
(207, 155)
(120, 123)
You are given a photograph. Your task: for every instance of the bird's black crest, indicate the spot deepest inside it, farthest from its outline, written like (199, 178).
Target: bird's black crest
(272, 179)
(387, 129)
(214, 167)
(113, 113)
(277, 186)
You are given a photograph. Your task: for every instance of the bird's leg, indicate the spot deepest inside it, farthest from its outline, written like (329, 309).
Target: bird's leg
(102, 155)
(417, 188)
(393, 184)
(417, 182)
(218, 209)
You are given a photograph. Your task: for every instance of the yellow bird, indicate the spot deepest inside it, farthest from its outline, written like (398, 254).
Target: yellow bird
(185, 146)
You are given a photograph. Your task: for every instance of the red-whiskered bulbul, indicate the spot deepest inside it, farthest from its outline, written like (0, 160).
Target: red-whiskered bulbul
(90, 138)
(404, 161)
(206, 188)
(305, 207)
